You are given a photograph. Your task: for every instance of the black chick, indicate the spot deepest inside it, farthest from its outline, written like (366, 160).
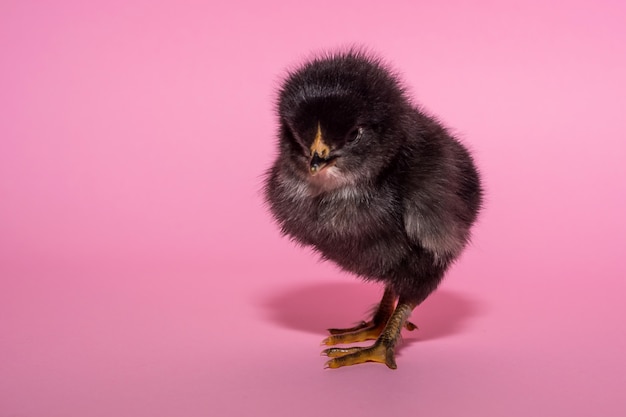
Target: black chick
(373, 184)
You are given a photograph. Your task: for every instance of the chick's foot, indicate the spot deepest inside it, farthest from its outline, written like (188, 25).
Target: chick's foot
(382, 351)
(360, 333)
(366, 330)
(369, 330)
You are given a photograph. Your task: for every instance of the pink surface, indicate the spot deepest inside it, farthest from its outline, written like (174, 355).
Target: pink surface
(141, 275)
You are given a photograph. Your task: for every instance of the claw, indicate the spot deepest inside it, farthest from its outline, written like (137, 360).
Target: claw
(410, 326)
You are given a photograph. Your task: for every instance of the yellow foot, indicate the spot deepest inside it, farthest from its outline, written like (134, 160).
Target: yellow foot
(355, 355)
(360, 333)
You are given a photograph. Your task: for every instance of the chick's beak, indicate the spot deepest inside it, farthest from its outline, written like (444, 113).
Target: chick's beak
(317, 163)
(320, 153)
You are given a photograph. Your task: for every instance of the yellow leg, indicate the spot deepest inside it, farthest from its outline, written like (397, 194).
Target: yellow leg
(382, 351)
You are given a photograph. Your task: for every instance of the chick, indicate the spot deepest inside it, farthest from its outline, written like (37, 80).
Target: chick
(373, 184)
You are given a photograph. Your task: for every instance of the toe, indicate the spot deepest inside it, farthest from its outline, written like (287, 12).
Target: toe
(352, 356)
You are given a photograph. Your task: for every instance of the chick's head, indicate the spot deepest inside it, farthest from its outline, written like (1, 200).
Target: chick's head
(341, 119)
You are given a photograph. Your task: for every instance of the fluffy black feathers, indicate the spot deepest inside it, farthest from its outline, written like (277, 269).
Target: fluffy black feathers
(397, 195)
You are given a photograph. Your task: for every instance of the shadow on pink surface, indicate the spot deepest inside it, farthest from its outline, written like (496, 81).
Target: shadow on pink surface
(314, 308)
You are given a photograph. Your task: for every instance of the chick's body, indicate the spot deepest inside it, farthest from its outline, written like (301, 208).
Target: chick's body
(372, 184)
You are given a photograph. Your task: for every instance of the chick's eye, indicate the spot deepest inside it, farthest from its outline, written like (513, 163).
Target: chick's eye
(354, 134)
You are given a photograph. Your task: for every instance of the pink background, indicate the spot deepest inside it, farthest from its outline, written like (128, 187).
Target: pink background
(140, 272)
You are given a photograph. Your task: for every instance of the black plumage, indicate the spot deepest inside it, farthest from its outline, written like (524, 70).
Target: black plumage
(373, 184)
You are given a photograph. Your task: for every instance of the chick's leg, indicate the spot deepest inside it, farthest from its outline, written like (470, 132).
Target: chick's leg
(367, 330)
(382, 351)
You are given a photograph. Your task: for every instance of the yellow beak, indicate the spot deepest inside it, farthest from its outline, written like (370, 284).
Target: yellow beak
(319, 152)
